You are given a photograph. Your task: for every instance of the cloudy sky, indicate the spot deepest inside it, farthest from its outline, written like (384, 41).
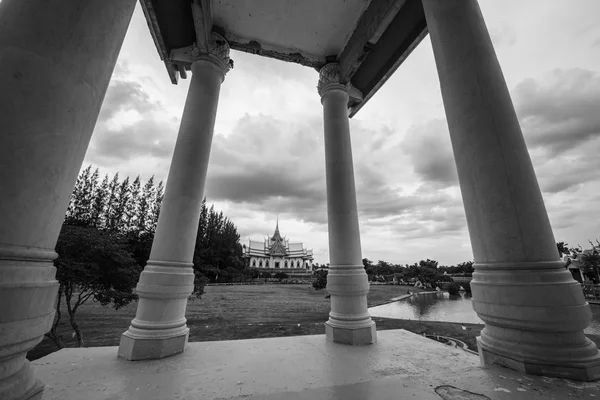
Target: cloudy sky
(268, 158)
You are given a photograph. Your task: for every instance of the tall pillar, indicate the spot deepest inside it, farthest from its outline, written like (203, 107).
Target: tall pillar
(56, 60)
(534, 312)
(349, 321)
(159, 328)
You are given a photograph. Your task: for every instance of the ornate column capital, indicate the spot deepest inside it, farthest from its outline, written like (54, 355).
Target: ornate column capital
(218, 53)
(329, 78)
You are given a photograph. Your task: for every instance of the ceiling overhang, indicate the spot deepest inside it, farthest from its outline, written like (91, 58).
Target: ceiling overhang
(368, 38)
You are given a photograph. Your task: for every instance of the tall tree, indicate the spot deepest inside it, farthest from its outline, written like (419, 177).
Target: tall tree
(144, 210)
(218, 252)
(120, 210)
(111, 204)
(99, 203)
(132, 206)
(157, 204)
(79, 202)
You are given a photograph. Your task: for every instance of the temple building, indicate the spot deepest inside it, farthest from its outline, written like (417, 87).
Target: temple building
(277, 253)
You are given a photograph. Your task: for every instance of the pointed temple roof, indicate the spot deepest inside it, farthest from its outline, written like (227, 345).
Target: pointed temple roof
(276, 235)
(278, 244)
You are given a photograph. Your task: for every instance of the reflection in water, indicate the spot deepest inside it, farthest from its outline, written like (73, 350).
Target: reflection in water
(442, 306)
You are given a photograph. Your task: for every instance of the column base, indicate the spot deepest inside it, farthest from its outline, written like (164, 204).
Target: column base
(22, 386)
(35, 393)
(535, 315)
(352, 336)
(136, 349)
(585, 372)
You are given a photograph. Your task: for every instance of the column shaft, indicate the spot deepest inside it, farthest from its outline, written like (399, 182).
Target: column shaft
(534, 312)
(349, 320)
(159, 328)
(56, 60)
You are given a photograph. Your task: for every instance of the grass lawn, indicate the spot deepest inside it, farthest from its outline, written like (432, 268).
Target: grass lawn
(223, 313)
(253, 311)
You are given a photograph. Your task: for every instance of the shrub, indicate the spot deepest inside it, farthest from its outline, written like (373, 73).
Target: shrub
(320, 281)
(280, 275)
(453, 289)
(467, 287)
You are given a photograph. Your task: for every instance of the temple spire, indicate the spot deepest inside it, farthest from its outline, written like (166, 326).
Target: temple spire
(277, 234)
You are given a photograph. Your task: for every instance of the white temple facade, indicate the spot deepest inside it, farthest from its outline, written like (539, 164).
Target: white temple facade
(278, 253)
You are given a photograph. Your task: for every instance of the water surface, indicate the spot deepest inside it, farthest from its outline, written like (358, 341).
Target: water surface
(444, 307)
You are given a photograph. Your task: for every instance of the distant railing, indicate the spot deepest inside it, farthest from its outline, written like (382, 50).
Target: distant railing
(591, 291)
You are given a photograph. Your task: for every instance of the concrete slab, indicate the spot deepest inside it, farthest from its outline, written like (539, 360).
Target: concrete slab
(401, 365)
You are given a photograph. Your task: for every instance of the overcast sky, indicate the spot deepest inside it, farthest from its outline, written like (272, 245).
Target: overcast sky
(268, 158)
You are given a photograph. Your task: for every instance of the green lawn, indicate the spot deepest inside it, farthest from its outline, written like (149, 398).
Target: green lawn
(245, 312)
(223, 313)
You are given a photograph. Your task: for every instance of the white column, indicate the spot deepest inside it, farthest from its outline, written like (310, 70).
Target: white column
(56, 60)
(349, 321)
(159, 328)
(534, 312)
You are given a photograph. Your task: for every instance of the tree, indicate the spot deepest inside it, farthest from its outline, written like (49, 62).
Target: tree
(200, 282)
(158, 197)
(80, 204)
(251, 273)
(428, 263)
(453, 289)
(99, 203)
(466, 268)
(266, 275)
(466, 286)
(111, 204)
(132, 206)
(320, 281)
(590, 263)
(145, 207)
(563, 249)
(119, 222)
(93, 264)
(218, 246)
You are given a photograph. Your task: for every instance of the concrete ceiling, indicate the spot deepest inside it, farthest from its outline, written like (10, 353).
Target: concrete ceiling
(369, 38)
(313, 28)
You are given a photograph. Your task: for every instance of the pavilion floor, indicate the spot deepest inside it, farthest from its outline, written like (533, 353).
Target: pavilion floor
(402, 365)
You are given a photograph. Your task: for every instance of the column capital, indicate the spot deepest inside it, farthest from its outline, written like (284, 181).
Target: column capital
(218, 53)
(329, 78)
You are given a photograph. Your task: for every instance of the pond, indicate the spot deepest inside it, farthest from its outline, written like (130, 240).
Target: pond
(444, 307)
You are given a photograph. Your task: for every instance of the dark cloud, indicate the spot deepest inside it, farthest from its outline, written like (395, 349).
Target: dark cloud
(150, 134)
(272, 166)
(560, 112)
(145, 138)
(125, 95)
(570, 170)
(430, 151)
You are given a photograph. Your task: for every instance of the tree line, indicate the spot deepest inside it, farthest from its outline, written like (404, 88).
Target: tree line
(106, 238)
(428, 272)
